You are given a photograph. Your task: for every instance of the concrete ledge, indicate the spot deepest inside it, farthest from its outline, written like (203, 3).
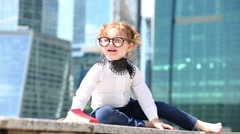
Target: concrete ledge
(45, 126)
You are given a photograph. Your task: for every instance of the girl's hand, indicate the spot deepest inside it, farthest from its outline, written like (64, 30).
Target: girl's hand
(161, 125)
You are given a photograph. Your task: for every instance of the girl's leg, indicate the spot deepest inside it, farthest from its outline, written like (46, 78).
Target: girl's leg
(165, 111)
(110, 115)
(184, 119)
(176, 116)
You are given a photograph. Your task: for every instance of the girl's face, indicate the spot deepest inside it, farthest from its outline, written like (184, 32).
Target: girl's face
(116, 53)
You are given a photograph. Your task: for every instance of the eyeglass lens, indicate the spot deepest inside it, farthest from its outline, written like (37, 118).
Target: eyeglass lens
(117, 42)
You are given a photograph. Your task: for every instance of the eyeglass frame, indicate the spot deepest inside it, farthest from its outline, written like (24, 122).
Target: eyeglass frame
(112, 40)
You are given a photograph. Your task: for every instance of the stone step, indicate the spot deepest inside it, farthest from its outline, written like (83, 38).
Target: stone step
(46, 126)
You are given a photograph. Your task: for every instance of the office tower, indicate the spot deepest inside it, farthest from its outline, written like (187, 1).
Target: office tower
(45, 83)
(79, 21)
(195, 59)
(145, 53)
(40, 15)
(35, 78)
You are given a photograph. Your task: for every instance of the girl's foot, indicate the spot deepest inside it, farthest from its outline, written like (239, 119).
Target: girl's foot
(209, 127)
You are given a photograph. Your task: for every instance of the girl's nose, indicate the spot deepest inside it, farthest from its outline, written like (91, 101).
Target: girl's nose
(111, 42)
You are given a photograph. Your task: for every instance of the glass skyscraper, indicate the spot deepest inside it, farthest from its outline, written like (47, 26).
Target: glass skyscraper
(40, 15)
(79, 21)
(195, 59)
(35, 78)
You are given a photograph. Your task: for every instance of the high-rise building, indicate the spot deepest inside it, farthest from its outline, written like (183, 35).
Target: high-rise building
(195, 59)
(40, 15)
(35, 78)
(44, 82)
(79, 21)
(145, 53)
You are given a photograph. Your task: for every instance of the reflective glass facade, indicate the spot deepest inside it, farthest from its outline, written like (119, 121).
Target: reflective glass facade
(79, 21)
(14, 51)
(36, 81)
(35, 78)
(195, 59)
(40, 15)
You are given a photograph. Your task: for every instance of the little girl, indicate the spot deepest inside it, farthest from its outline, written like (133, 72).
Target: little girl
(109, 81)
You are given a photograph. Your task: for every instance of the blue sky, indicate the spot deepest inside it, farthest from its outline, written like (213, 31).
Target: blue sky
(65, 24)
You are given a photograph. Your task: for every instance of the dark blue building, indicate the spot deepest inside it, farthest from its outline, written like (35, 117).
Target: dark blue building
(195, 63)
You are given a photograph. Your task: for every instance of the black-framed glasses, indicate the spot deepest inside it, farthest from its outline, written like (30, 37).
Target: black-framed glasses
(117, 41)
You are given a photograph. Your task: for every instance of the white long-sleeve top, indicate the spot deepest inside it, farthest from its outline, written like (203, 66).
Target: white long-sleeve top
(110, 89)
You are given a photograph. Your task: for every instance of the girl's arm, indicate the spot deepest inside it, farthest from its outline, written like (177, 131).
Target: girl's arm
(86, 88)
(146, 101)
(144, 96)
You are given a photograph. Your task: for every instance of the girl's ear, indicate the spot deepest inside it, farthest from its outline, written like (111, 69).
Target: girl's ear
(130, 47)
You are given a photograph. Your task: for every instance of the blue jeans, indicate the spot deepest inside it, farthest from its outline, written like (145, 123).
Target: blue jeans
(132, 115)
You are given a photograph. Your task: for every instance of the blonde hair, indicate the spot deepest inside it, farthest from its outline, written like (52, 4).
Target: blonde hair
(124, 28)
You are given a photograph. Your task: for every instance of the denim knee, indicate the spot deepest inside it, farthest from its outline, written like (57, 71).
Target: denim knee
(105, 114)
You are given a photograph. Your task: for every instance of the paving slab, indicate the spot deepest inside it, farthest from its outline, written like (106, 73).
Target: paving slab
(46, 126)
